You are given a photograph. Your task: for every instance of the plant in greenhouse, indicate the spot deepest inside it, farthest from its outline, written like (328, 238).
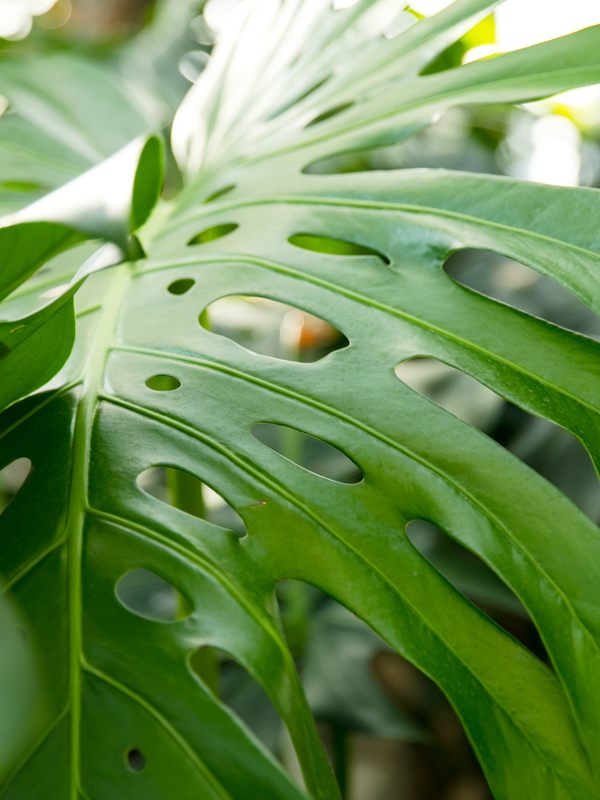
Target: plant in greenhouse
(110, 367)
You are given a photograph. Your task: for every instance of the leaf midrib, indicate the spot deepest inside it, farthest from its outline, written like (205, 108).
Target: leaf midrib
(84, 419)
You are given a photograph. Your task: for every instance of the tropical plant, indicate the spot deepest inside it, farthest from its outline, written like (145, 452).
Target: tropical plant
(130, 709)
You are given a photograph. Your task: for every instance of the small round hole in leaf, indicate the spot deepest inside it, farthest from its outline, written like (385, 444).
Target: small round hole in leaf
(135, 760)
(163, 383)
(181, 286)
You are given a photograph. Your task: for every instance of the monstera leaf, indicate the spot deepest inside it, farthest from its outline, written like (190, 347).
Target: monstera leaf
(131, 712)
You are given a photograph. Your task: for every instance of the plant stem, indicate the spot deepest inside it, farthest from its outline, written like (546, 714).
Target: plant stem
(186, 494)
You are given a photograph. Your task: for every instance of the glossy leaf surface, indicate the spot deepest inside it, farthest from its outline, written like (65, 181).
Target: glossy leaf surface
(149, 386)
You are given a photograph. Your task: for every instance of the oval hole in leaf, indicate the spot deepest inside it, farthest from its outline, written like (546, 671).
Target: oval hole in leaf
(213, 233)
(339, 655)
(328, 114)
(163, 383)
(453, 390)
(522, 287)
(148, 595)
(345, 163)
(184, 491)
(240, 691)
(181, 286)
(270, 328)
(309, 452)
(472, 577)
(550, 450)
(135, 760)
(311, 90)
(220, 193)
(334, 247)
(12, 478)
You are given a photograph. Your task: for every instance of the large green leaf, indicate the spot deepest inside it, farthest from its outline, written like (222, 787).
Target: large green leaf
(121, 687)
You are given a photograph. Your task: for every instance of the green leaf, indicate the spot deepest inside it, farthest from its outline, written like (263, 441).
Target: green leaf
(127, 715)
(57, 123)
(20, 691)
(34, 347)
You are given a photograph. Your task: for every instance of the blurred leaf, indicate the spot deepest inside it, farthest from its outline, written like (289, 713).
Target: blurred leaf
(340, 681)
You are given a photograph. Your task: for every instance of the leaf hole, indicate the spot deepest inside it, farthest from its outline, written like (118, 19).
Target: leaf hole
(163, 383)
(339, 653)
(476, 581)
(455, 391)
(12, 478)
(335, 247)
(329, 114)
(149, 596)
(522, 287)
(184, 491)
(135, 760)
(181, 286)
(268, 327)
(309, 452)
(297, 100)
(553, 452)
(220, 193)
(227, 678)
(213, 233)
(342, 163)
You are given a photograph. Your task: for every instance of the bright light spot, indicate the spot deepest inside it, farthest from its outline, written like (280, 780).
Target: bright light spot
(519, 24)
(61, 14)
(218, 13)
(339, 4)
(429, 7)
(386, 17)
(212, 500)
(200, 31)
(3, 104)
(555, 158)
(193, 63)
(399, 24)
(16, 16)
(55, 291)
(582, 105)
(479, 52)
